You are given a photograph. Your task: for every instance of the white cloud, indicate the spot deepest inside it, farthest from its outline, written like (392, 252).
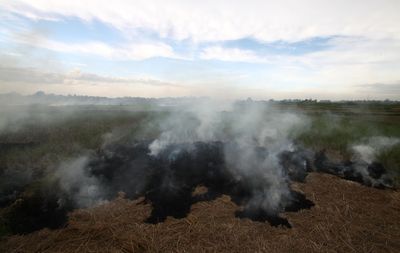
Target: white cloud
(29, 80)
(136, 51)
(353, 61)
(33, 76)
(288, 20)
(230, 54)
(387, 89)
(346, 61)
(365, 49)
(128, 51)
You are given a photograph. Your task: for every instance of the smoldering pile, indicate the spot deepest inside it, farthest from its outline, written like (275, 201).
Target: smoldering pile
(370, 174)
(168, 179)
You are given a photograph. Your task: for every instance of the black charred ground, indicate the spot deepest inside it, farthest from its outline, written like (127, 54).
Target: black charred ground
(168, 181)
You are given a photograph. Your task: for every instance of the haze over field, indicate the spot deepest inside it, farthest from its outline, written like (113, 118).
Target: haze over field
(224, 49)
(199, 126)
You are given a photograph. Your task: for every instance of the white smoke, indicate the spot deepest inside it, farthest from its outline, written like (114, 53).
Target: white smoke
(248, 127)
(196, 122)
(370, 148)
(366, 154)
(255, 124)
(85, 190)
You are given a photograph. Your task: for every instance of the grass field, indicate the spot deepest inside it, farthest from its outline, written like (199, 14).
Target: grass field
(38, 138)
(46, 135)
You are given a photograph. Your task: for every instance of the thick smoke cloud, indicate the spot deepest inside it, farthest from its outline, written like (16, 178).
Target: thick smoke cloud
(84, 189)
(247, 129)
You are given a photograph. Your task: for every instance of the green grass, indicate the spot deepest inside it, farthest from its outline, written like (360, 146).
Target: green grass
(66, 135)
(390, 158)
(59, 133)
(338, 132)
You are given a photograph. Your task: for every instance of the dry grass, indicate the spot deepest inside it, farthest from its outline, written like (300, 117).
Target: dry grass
(347, 217)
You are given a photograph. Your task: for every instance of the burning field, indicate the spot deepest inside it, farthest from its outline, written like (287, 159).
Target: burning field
(346, 217)
(235, 179)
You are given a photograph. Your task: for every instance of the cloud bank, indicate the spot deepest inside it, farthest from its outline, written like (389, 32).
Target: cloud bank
(298, 49)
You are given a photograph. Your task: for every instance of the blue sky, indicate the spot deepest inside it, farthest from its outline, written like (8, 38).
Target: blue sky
(239, 49)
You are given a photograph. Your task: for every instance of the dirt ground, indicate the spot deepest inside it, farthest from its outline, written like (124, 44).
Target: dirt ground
(347, 217)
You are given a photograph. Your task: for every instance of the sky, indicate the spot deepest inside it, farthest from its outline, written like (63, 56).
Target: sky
(266, 49)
